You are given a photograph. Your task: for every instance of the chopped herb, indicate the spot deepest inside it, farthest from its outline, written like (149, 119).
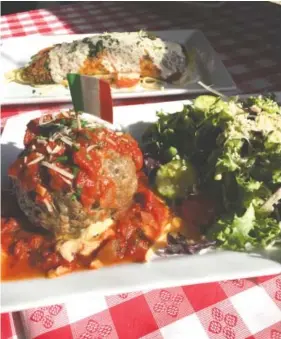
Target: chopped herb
(84, 123)
(41, 137)
(88, 157)
(78, 192)
(99, 46)
(34, 56)
(75, 170)
(74, 124)
(76, 147)
(73, 47)
(46, 65)
(73, 197)
(62, 158)
(33, 91)
(94, 49)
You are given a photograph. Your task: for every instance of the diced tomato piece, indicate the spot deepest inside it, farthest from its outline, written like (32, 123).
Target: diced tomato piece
(126, 82)
(86, 200)
(27, 174)
(53, 145)
(56, 182)
(148, 198)
(6, 241)
(29, 177)
(35, 242)
(35, 259)
(15, 169)
(150, 202)
(51, 261)
(147, 218)
(88, 189)
(21, 249)
(160, 213)
(86, 197)
(88, 161)
(81, 179)
(32, 131)
(46, 252)
(9, 225)
(28, 137)
(138, 158)
(40, 190)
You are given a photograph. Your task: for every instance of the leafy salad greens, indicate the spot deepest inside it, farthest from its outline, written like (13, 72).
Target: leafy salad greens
(231, 150)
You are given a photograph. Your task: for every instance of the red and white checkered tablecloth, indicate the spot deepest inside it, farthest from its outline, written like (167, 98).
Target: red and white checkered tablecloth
(247, 38)
(237, 309)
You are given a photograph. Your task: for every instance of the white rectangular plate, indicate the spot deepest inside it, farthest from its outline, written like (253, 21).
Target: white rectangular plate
(16, 53)
(163, 272)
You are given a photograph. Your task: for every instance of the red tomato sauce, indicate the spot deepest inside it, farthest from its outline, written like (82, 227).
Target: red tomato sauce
(27, 253)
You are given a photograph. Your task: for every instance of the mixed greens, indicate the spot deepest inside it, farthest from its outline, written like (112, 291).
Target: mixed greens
(229, 150)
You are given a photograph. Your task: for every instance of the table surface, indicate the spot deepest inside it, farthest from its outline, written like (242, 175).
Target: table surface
(246, 35)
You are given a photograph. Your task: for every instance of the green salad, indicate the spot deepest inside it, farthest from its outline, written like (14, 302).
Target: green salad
(229, 150)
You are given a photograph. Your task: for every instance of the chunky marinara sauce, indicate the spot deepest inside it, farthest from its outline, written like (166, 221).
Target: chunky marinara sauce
(79, 155)
(28, 252)
(61, 156)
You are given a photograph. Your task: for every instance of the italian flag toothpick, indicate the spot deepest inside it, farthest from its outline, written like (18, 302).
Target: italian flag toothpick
(91, 95)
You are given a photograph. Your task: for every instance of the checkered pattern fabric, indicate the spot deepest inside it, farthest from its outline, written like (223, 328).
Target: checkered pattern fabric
(247, 38)
(236, 309)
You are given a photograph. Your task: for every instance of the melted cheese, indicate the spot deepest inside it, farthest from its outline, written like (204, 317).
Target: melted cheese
(89, 240)
(123, 52)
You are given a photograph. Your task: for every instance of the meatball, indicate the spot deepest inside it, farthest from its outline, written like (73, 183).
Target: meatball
(122, 170)
(70, 178)
(68, 215)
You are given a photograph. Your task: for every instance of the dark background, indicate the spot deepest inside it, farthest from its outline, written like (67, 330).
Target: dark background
(10, 7)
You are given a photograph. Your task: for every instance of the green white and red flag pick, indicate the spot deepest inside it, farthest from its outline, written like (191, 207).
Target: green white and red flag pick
(91, 95)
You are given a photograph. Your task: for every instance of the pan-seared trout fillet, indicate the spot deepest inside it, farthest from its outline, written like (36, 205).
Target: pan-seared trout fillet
(112, 55)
